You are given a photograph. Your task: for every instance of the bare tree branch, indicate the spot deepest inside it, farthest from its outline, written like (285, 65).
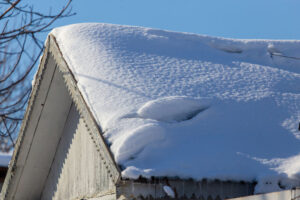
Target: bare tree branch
(20, 49)
(13, 5)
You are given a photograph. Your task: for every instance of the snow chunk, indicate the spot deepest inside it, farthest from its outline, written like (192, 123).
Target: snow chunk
(133, 172)
(169, 191)
(173, 109)
(134, 141)
(267, 184)
(273, 51)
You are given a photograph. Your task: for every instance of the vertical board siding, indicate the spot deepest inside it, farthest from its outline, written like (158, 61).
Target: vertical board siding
(77, 170)
(184, 189)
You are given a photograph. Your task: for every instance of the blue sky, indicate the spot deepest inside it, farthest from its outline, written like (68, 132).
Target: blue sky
(264, 19)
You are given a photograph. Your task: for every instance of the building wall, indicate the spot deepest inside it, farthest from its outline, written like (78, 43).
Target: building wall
(183, 189)
(77, 171)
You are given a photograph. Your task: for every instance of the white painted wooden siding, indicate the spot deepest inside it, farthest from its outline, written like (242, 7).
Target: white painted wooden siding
(76, 171)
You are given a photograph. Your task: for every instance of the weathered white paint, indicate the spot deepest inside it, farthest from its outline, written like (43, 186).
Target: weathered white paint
(77, 170)
(84, 111)
(42, 136)
(53, 93)
(282, 195)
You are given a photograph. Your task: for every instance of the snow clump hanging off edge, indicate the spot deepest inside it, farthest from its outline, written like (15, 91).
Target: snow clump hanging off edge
(169, 191)
(127, 148)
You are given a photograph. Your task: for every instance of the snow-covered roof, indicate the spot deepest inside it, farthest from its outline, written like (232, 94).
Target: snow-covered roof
(192, 106)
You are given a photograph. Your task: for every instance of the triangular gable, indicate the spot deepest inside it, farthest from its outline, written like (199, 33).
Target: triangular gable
(51, 99)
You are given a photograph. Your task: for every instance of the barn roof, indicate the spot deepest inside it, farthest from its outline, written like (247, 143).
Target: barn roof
(168, 104)
(187, 105)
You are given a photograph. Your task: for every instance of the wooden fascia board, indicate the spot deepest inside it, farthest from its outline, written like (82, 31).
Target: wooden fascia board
(11, 176)
(14, 173)
(85, 112)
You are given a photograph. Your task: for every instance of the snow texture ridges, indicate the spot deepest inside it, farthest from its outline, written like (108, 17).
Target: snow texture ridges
(193, 106)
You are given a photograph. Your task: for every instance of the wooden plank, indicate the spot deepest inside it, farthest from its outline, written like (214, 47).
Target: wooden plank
(73, 172)
(44, 143)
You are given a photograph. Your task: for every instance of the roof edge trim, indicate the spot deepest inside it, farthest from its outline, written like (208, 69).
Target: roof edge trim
(93, 129)
(13, 163)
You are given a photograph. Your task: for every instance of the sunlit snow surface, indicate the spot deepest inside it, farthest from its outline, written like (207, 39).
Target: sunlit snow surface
(187, 105)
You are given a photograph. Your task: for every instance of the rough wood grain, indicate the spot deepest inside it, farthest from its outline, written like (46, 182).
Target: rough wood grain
(77, 170)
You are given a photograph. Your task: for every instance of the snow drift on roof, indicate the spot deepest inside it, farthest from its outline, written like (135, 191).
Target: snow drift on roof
(179, 104)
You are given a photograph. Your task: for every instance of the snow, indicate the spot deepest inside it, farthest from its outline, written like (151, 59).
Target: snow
(169, 191)
(172, 109)
(137, 139)
(5, 159)
(192, 106)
